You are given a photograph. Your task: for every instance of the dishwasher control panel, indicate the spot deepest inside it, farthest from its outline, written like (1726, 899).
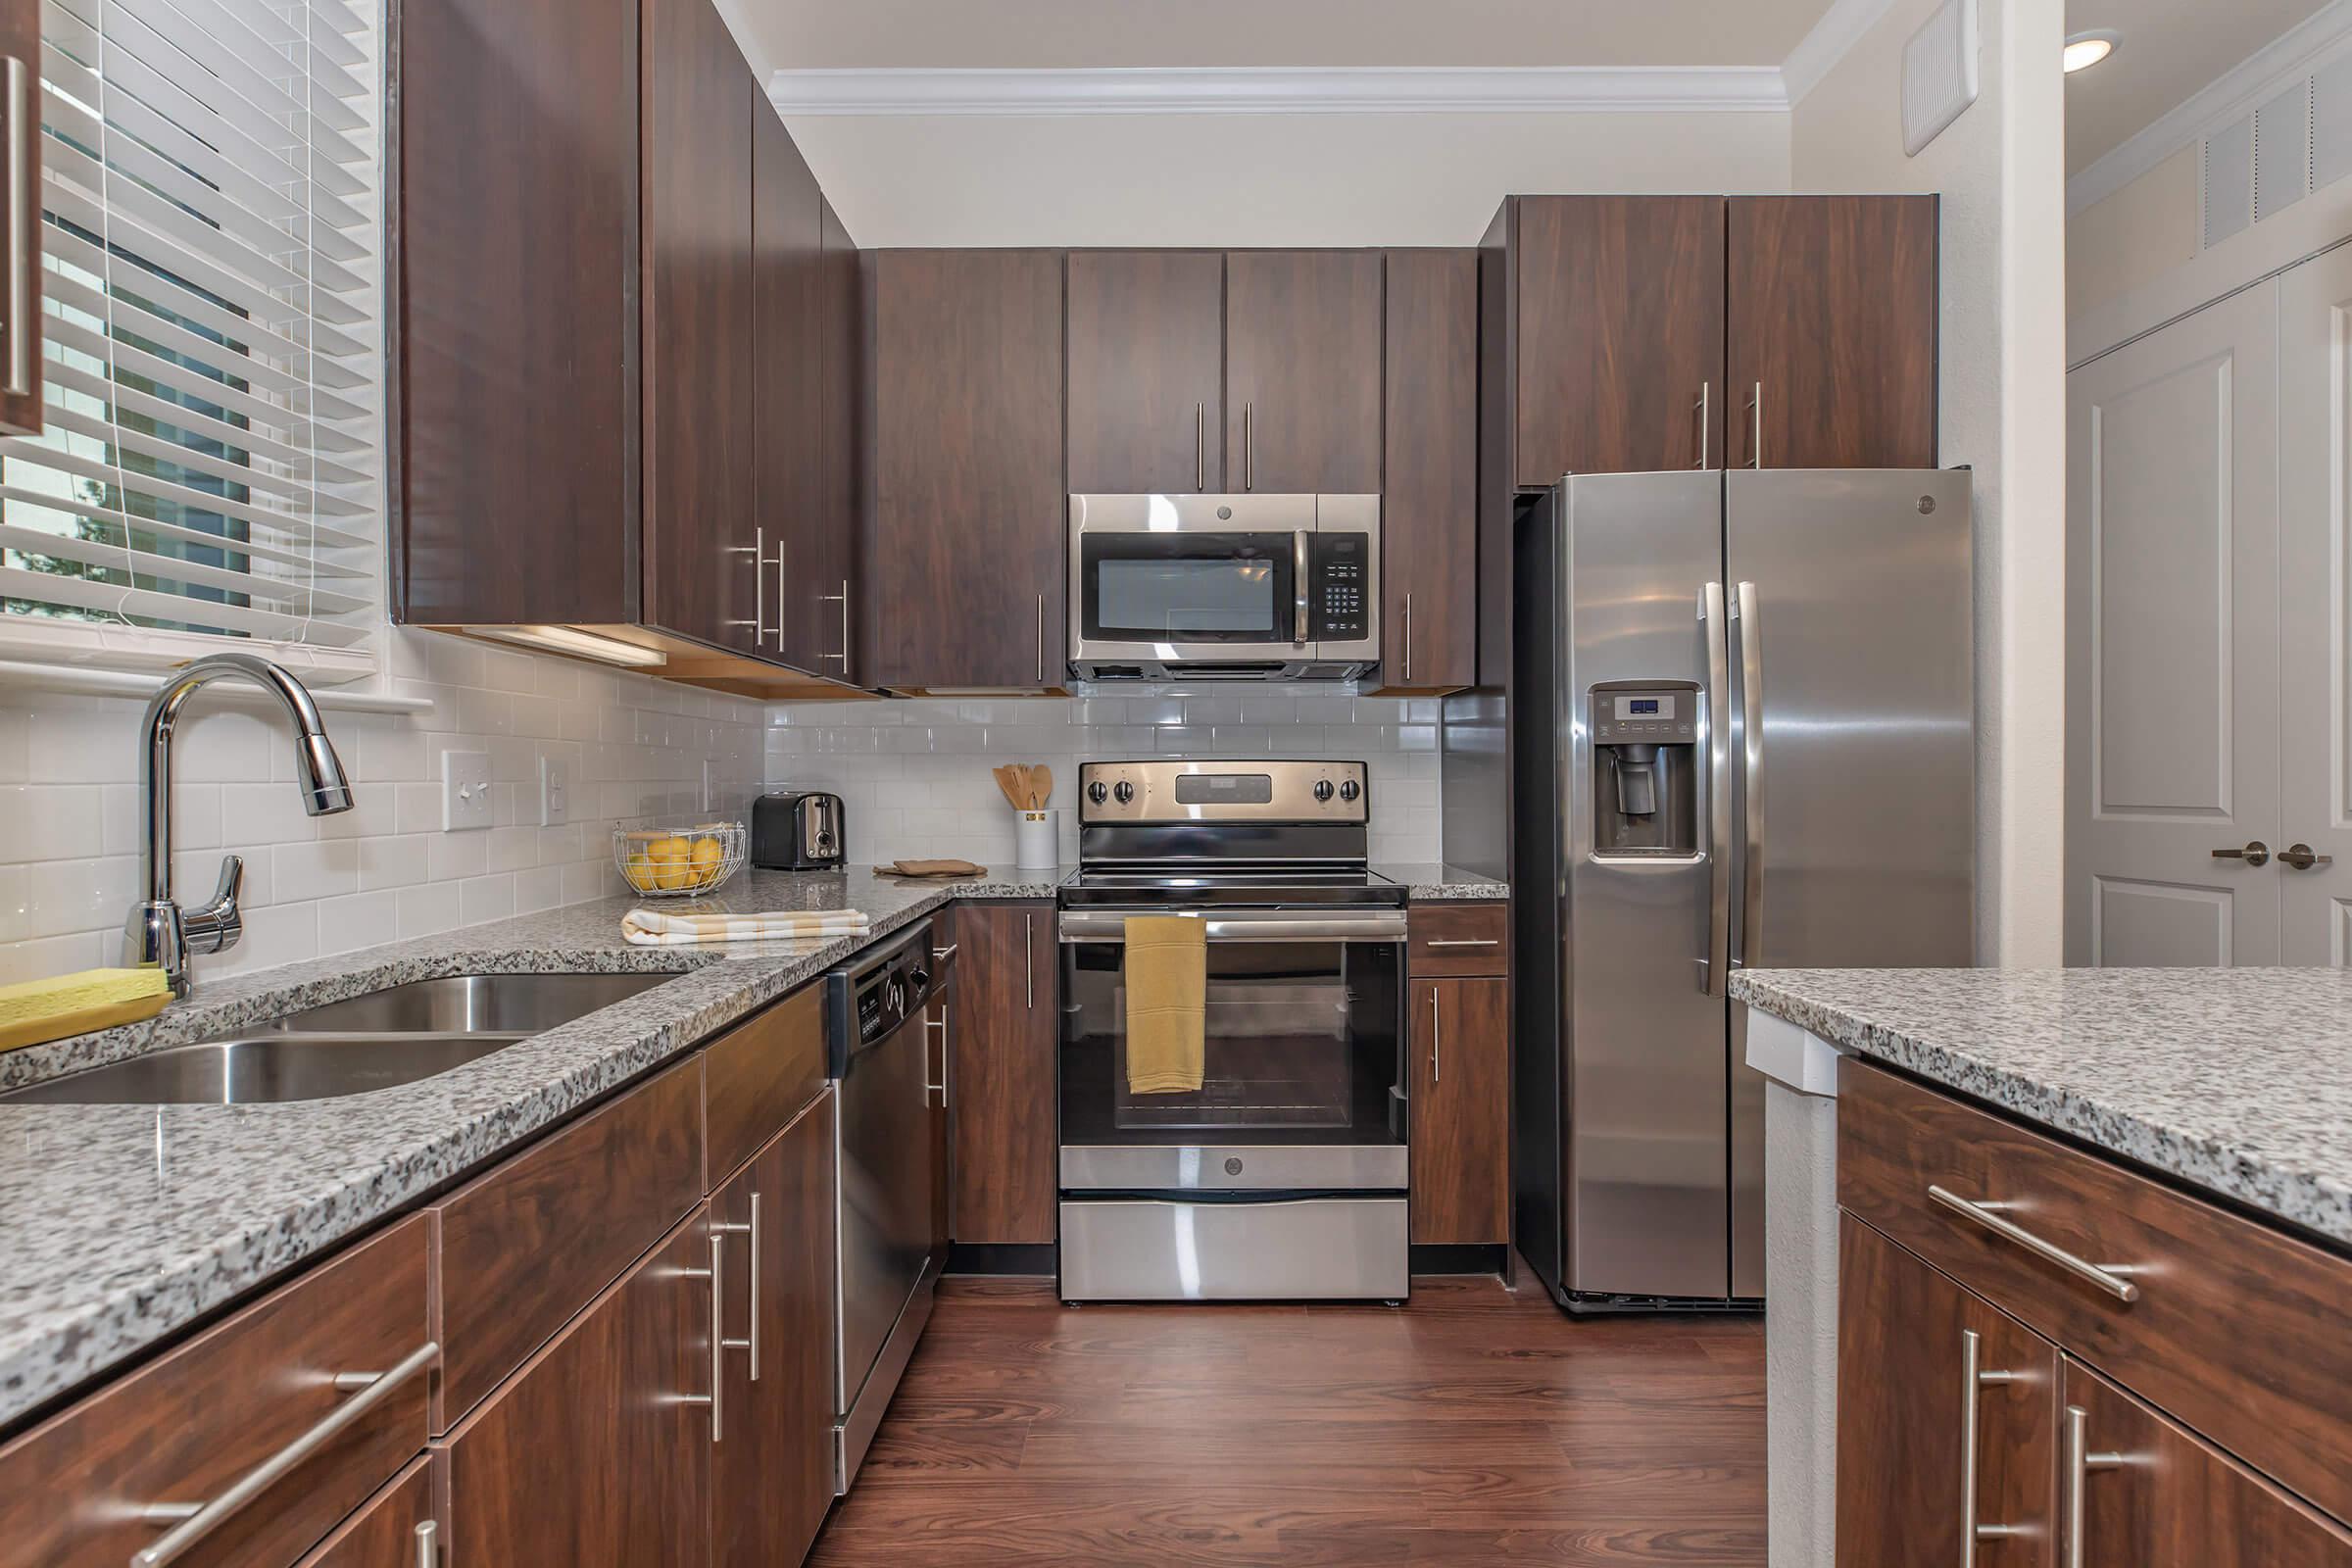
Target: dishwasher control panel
(869, 997)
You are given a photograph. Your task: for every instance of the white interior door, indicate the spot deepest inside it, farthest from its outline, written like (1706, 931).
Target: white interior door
(2314, 601)
(2171, 665)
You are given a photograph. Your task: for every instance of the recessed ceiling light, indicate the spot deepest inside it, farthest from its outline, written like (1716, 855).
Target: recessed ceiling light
(2086, 49)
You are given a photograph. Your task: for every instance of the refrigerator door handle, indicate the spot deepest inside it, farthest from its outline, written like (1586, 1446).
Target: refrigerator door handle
(1715, 967)
(1751, 736)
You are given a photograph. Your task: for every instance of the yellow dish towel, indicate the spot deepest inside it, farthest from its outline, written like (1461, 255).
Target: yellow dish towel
(645, 928)
(1167, 995)
(40, 1010)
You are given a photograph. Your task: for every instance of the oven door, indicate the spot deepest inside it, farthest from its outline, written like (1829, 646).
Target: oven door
(1302, 1086)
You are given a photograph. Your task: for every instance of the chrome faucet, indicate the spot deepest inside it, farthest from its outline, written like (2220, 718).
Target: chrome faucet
(158, 933)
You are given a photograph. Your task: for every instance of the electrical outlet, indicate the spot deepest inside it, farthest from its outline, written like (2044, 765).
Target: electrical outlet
(464, 790)
(555, 778)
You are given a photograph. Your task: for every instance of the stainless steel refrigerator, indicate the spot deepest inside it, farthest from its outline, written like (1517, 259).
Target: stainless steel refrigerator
(1742, 734)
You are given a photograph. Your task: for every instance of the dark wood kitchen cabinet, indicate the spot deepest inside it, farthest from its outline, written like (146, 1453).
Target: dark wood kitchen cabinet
(1003, 1108)
(1302, 371)
(1829, 331)
(1429, 500)
(831, 595)
(1461, 1090)
(965, 555)
(1907, 1338)
(699, 517)
(397, 1527)
(772, 1470)
(598, 1453)
(1146, 342)
(21, 411)
(792, 540)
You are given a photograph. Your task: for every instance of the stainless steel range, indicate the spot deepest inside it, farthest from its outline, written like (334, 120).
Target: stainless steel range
(1281, 1175)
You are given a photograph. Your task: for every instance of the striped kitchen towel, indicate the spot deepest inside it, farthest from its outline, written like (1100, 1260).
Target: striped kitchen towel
(645, 928)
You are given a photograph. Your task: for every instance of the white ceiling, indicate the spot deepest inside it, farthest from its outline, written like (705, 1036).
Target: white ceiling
(821, 35)
(2168, 49)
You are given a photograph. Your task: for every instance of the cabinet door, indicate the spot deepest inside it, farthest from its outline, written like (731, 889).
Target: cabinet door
(831, 596)
(2138, 1492)
(597, 1455)
(941, 1020)
(1146, 366)
(967, 551)
(1303, 332)
(20, 188)
(1462, 1086)
(1002, 1112)
(1831, 322)
(772, 1472)
(397, 1527)
(1946, 1418)
(1429, 505)
(700, 541)
(1620, 334)
(788, 389)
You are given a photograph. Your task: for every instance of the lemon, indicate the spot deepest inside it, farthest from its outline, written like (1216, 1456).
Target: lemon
(673, 862)
(708, 853)
(639, 874)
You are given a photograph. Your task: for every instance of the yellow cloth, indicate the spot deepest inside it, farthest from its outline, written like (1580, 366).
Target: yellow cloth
(1167, 997)
(41, 1010)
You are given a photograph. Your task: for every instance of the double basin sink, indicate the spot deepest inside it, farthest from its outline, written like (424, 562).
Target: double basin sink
(377, 1040)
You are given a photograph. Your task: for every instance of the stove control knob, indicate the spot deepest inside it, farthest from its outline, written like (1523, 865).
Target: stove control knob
(1322, 789)
(1125, 792)
(1097, 792)
(1350, 790)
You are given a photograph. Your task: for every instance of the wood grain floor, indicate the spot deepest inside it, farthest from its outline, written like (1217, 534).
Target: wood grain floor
(1471, 1426)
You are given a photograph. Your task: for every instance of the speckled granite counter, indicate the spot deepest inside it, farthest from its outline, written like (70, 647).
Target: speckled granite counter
(2237, 1081)
(1431, 884)
(121, 1223)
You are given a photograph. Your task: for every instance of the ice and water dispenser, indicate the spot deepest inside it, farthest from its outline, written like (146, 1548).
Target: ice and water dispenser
(1645, 769)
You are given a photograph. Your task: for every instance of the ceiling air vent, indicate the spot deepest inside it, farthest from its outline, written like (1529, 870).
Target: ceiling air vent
(2282, 151)
(2229, 181)
(2332, 122)
(1939, 72)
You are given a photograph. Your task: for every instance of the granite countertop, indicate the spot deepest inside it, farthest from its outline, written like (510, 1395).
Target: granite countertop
(120, 1224)
(2236, 1081)
(1433, 883)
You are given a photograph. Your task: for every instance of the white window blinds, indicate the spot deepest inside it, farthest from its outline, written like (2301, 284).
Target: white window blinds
(211, 457)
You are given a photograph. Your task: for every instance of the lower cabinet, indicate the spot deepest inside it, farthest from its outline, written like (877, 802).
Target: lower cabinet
(1003, 1116)
(1462, 1088)
(598, 1453)
(396, 1528)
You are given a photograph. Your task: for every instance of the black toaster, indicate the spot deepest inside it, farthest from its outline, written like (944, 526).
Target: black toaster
(798, 830)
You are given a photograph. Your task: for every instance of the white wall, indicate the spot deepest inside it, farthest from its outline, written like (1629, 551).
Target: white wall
(914, 779)
(2136, 236)
(1256, 179)
(2000, 171)
(69, 863)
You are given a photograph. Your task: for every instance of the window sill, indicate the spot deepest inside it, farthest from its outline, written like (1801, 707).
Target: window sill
(84, 660)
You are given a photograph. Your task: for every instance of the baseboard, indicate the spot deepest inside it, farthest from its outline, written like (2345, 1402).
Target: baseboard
(1469, 1257)
(1015, 1260)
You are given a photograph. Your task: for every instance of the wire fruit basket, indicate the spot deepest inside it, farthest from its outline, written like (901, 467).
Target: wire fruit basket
(682, 863)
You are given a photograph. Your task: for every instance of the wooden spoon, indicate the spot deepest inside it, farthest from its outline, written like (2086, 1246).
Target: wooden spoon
(1040, 779)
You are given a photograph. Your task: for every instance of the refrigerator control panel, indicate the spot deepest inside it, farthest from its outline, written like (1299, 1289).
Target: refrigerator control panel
(1633, 718)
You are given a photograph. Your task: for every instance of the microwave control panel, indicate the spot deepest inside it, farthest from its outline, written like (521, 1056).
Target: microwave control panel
(1338, 571)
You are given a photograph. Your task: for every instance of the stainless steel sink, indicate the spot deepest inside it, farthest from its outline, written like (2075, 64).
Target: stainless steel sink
(387, 1037)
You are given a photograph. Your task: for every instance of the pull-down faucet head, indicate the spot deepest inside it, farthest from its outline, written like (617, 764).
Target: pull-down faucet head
(158, 933)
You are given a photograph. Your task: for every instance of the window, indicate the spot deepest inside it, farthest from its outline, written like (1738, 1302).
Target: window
(212, 458)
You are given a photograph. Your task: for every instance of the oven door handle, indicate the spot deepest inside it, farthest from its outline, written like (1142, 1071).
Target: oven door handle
(1245, 926)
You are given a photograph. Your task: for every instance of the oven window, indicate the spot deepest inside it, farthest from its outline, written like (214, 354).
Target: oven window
(1301, 1044)
(1186, 587)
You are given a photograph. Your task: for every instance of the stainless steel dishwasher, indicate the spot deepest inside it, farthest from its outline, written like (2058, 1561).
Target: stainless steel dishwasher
(885, 1272)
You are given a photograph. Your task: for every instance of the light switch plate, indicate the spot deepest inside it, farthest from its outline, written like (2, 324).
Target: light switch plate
(555, 783)
(464, 790)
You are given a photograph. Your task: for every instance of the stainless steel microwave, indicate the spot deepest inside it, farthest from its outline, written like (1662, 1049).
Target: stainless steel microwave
(1232, 587)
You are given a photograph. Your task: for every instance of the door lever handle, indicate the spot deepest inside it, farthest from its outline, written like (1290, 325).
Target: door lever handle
(2299, 856)
(2255, 853)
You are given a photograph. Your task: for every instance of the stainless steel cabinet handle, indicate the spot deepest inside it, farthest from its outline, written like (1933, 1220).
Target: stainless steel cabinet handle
(2256, 853)
(427, 1555)
(1706, 392)
(940, 1088)
(716, 1274)
(22, 325)
(1409, 636)
(1718, 962)
(2079, 1464)
(1755, 409)
(1200, 446)
(2123, 1290)
(1751, 738)
(1029, 955)
(2299, 858)
(946, 954)
(757, 551)
(783, 589)
(750, 1343)
(1435, 1037)
(843, 598)
(1299, 587)
(1041, 639)
(1974, 1381)
(191, 1522)
(1250, 445)
(1463, 942)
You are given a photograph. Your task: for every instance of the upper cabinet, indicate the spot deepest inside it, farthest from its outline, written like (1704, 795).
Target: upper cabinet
(1146, 371)
(967, 575)
(788, 384)
(1303, 372)
(842, 306)
(1830, 334)
(1429, 503)
(20, 188)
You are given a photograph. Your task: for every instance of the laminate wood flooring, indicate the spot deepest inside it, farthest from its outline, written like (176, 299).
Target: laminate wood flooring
(1473, 1425)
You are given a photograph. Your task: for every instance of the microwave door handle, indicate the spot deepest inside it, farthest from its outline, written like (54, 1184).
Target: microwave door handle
(1299, 587)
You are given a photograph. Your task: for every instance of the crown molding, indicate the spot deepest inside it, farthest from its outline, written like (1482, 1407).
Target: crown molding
(2294, 53)
(1839, 28)
(1281, 90)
